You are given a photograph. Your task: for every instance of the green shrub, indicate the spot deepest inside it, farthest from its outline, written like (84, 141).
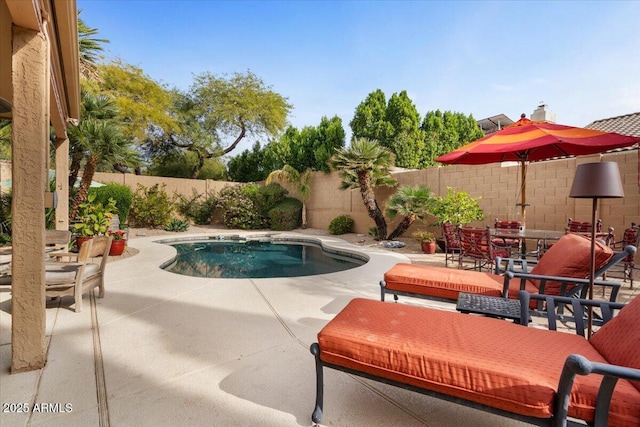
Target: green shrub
(238, 210)
(341, 224)
(458, 207)
(266, 197)
(198, 207)
(122, 194)
(151, 207)
(178, 225)
(287, 215)
(248, 207)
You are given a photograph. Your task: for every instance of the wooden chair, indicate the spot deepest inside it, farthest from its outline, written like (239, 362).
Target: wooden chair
(81, 275)
(451, 242)
(476, 246)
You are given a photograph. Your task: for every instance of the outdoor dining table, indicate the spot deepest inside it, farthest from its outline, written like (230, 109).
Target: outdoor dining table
(539, 235)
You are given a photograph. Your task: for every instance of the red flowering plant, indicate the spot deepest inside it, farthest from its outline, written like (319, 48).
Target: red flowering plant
(117, 235)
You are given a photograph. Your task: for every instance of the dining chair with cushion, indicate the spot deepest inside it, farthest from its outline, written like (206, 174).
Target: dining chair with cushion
(514, 243)
(451, 242)
(630, 236)
(476, 246)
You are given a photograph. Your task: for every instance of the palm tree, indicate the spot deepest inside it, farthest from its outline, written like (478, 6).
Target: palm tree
(98, 141)
(301, 179)
(365, 165)
(412, 203)
(89, 48)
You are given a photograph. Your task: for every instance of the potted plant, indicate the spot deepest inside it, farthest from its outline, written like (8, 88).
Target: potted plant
(426, 239)
(119, 242)
(93, 219)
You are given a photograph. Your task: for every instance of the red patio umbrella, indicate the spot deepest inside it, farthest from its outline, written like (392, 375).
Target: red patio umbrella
(528, 141)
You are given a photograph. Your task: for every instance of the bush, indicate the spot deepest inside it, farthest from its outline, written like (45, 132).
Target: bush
(286, 215)
(248, 207)
(266, 197)
(122, 194)
(151, 207)
(341, 224)
(178, 225)
(238, 210)
(458, 207)
(198, 208)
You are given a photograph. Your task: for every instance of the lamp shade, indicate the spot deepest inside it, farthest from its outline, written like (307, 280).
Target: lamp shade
(597, 180)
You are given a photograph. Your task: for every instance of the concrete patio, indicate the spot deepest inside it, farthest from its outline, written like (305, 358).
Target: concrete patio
(164, 349)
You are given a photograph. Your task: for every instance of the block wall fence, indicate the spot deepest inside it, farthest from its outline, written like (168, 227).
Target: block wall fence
(497, 185)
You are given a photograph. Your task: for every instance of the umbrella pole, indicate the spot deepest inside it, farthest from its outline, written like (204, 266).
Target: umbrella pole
(523, 192)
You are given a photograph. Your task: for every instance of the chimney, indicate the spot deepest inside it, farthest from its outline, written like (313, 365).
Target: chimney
(542, 114)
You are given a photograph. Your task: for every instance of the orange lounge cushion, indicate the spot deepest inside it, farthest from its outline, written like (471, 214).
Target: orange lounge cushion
(619, 340)
(442, 282)
(489, 361)
(570, 256)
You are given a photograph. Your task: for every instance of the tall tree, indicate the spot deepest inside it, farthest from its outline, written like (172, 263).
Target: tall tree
(447, 131)
(97, 140)
(406, 139)
(330, 136)
(89, 48)
(369, 120)
(220, 112)
(395, 125)
(366, 165)
(145, 105)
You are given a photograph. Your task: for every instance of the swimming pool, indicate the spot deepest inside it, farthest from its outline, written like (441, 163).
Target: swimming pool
(258, 257)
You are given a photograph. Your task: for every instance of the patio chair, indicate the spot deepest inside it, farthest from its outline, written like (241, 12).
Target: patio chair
(477, 246)
(451, 242)
(563, 270)
(542, 377)
(631, 236)
(514, 244)
(79, 275)
(579, 227)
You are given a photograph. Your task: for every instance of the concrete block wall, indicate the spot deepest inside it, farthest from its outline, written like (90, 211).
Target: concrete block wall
(498, 186)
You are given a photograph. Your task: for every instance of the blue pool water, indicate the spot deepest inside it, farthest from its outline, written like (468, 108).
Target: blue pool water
(256, 259)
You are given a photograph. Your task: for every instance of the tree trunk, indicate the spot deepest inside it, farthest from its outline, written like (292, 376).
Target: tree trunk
(74, 168)
(370, 203)
(81, 195)
(198, 167)
(402, 227)
(304, 215)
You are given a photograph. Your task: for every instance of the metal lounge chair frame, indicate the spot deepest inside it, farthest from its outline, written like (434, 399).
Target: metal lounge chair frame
(574, 365)
(519, 269)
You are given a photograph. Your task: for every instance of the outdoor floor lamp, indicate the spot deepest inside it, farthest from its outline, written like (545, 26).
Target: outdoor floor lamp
(595, 181)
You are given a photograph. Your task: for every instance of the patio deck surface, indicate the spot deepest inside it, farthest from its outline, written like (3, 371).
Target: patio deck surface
(164, 349)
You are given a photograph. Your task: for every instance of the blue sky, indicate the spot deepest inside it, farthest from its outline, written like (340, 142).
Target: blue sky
(484, 58)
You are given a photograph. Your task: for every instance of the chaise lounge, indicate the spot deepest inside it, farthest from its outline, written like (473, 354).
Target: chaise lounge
(539, 376)
(563, 270)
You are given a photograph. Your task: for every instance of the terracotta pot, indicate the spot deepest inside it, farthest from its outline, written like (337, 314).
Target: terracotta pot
(117, 247)
(429, 247)
(80, 240)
